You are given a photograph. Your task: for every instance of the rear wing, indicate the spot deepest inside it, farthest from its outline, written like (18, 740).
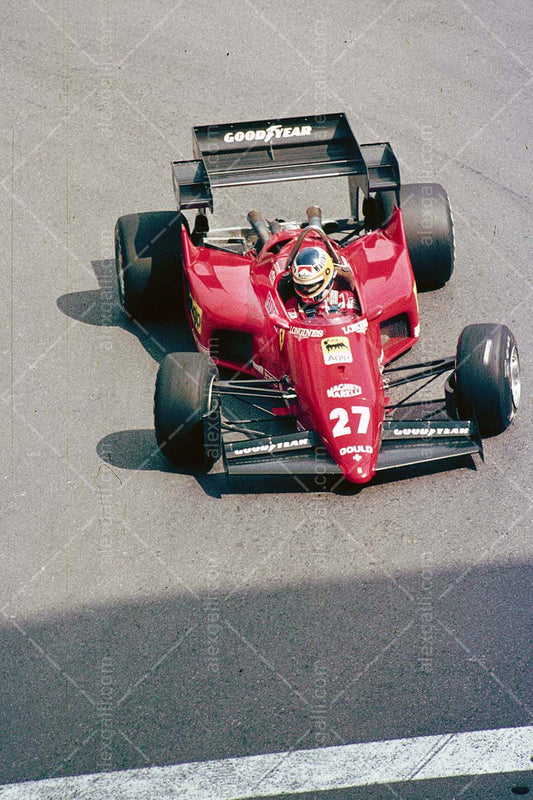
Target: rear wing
(289, 149)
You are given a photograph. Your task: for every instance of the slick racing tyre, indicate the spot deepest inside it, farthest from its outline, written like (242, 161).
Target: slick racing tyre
(183, 398)
(428, 225)
(487, 376)
(148, 263)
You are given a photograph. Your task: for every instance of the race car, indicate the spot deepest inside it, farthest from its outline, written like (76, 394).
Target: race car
(319, 376)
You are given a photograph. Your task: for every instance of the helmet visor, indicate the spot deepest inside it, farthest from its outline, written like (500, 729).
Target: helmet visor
(308, 288)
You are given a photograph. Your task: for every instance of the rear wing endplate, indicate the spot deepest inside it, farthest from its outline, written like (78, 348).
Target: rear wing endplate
(289, 149)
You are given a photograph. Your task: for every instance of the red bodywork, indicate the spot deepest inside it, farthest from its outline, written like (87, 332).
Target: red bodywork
(334, 363)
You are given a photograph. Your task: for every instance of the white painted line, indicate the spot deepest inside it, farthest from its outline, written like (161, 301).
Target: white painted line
(421, 758)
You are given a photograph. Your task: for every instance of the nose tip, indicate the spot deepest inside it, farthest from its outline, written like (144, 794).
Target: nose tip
(359, 473)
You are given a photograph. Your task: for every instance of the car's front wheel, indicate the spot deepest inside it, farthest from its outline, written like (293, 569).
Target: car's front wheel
(487, 376)
(186, 414)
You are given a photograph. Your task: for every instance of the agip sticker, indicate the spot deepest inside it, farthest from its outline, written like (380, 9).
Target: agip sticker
(337, 350)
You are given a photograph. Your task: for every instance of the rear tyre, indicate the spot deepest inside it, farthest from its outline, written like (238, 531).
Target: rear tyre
(148, 263)
(428, 225)
(183, 398)
(487, 376)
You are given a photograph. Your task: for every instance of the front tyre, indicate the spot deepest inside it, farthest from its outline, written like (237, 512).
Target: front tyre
(186, 414)
(487, 376)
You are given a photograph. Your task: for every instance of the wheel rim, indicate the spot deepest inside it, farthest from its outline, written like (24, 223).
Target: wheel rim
(210, 406)
(515, 376)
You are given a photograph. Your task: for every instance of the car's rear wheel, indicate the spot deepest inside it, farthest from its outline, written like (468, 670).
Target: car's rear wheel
(186, 414)
(487, 376)
(428, 225)
(148, 263)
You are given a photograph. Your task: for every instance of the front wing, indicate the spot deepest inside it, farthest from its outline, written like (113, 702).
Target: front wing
(403, 443)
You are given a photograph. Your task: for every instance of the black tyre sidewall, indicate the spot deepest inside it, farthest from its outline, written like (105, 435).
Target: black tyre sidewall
(428, 225)
(119, 265)
(483, 376)
(148, 261)
(181, 400)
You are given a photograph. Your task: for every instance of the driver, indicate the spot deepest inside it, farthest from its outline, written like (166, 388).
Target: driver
(321, 286)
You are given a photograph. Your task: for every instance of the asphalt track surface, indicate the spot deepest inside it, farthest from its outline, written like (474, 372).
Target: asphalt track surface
(152, 617)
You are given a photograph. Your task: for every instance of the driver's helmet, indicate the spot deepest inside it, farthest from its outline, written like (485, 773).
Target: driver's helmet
(313, 274)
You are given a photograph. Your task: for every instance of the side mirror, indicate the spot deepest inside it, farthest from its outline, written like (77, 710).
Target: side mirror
(280, 322)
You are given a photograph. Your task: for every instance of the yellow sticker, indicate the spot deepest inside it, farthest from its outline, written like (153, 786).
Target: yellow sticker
(281, 337)
(196, 314)
(337, 350)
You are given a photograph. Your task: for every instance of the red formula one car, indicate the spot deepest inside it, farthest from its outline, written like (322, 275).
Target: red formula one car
(319, 377)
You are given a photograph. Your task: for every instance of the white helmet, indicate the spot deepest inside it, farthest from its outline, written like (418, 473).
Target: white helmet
(313, 274)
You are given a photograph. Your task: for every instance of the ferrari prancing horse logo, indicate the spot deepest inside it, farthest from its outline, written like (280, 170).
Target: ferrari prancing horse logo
(196, 314)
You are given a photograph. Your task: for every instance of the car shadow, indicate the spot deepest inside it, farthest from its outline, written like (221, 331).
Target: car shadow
(132, 449)
(102, 307)
(137, 450)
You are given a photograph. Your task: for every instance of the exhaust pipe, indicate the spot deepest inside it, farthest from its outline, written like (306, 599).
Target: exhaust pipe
(260, 226)
(314, 216)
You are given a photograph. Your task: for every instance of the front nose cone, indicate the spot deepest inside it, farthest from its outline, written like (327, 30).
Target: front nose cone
(360, 470)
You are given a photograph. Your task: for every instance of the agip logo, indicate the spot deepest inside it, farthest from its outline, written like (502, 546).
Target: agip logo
(337, 350)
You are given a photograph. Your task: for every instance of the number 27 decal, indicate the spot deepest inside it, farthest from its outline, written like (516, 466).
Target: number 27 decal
(342, 428)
